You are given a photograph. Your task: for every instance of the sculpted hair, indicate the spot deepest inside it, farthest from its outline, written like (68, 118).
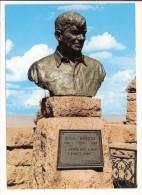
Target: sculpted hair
(68, 19)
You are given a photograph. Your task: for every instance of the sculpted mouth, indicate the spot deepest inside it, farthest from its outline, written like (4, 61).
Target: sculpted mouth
(78, 45)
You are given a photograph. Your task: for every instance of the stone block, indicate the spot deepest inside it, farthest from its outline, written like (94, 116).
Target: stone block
(115, 132)
(44, 173)
(131, 97)
(131, 106)
(120, 133)
(132, 146)
(11, 174)
(17, 175)
(129, 133)
(131, 88)
(22, 186)
(22, 174)
(68, 106)
(19, 136)
(123, 150)
(19, 157)
(131, 118)
(122, 153)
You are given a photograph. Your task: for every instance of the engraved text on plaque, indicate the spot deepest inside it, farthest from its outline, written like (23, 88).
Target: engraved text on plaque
(80, 149)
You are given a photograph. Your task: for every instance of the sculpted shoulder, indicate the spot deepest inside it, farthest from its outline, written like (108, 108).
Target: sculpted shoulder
(37, 70)
(90, 61)
(45, 61)
(96, 66)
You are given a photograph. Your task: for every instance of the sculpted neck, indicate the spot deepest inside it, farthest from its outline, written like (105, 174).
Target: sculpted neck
(70, 54)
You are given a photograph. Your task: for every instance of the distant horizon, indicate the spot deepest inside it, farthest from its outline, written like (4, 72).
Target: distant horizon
(28, 120)
(101, 115)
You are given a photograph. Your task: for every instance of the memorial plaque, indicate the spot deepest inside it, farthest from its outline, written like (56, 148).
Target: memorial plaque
(80, 149)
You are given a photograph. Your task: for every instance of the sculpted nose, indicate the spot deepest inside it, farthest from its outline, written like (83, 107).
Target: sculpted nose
(81, 37)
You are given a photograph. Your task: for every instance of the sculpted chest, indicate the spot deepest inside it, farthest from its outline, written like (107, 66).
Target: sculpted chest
(68, 79)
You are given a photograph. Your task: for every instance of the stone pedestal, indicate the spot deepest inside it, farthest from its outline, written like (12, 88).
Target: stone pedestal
(44, 173)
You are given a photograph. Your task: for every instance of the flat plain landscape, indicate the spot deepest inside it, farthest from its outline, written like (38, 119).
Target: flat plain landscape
(28, 120)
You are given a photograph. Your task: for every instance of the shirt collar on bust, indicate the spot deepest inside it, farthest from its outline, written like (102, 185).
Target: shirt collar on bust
(60, 58)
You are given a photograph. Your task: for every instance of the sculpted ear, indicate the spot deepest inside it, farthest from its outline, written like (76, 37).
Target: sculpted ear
(58, 35)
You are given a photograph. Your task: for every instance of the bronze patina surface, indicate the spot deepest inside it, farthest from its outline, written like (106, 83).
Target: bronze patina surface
(80, 149)
(68, 71)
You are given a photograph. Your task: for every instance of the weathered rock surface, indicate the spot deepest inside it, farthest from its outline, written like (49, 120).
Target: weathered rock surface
(132, 146)
(132, 86)
(19, 136)
(70, 106)
(17, 175)
(19, 157)
(121, 133)
(44, 174)
(131, 118)
(123, 150)
(131, 103)
(131, 97)
(11, 175)
(129, 133)
(22, 186)
(131, 106)
(115, 132)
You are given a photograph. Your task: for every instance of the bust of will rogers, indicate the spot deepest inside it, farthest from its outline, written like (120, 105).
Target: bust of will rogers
(68, 72)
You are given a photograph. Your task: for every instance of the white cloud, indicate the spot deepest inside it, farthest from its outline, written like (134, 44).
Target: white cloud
(14, 93)
(32, 99)
(113, 100)
(123, 61)
(26, 98)
(80, 7)
(18, 66)
(101, 55)
(103, 42)
(50, 16)
(123, 76)
(113, 94)
(9, 45)
(90, 28)
(12, 86)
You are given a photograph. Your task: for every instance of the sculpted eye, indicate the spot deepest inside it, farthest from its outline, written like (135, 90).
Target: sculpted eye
(74, 32)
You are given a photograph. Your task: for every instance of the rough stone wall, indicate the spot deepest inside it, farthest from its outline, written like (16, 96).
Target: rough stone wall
(131, 103)
(121, 133)
(20, 147)
(44, 174)
(19, 155)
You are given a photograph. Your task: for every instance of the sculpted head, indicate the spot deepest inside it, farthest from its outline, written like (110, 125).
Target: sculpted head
(70, 30)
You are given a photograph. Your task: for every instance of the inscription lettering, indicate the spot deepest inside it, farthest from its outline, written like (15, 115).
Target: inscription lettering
(70, 138)
(87, 138)
(80, 149)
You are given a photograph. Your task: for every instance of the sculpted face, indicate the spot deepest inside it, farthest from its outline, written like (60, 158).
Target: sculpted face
(73, 38)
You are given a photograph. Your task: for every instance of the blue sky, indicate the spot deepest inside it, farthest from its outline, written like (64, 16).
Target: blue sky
(30, 36)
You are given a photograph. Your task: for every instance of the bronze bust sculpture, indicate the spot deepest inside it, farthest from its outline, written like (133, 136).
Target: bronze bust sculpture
(67, 71)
